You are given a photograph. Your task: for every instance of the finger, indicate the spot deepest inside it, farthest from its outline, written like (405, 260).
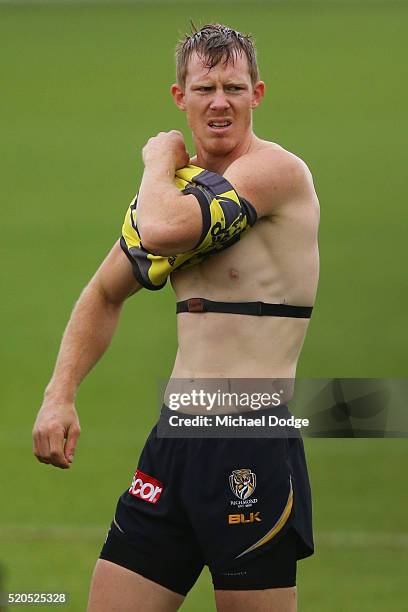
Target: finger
(71, 442)
(57, 456)
(41, 447)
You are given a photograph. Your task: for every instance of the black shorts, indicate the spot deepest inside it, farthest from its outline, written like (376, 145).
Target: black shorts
(240, 506)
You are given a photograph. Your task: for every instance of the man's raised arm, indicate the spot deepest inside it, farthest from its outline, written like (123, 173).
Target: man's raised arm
(87, 336)
(168, 221)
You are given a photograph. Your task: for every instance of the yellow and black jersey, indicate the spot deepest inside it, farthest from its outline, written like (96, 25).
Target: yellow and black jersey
(226, 217)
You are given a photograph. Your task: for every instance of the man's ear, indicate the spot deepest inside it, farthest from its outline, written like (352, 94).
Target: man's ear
(258, 93)
(178, 96)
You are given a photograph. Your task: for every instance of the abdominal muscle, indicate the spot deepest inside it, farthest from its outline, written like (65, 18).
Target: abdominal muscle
(218, 345)
(236, 354)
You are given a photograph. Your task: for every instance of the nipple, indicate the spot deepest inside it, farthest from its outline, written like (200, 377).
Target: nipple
(234, 274)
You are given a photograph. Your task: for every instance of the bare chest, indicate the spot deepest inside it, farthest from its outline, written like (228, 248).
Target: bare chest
(266, 264)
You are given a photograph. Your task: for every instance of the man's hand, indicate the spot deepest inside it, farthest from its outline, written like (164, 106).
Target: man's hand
(167, 149)
(55, 434)
(86, 338)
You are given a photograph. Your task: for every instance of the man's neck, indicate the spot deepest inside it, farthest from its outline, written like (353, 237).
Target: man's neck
(219, 163)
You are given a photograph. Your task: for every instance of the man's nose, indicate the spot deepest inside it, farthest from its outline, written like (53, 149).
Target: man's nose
(219, 101)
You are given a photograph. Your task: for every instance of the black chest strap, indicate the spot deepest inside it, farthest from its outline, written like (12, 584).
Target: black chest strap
(260, 309)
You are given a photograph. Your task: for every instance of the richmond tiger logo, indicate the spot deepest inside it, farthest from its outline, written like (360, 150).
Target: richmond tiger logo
(242, 483)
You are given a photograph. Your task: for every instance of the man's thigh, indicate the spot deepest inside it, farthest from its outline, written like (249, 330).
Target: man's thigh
(117, 589)
(268, 600)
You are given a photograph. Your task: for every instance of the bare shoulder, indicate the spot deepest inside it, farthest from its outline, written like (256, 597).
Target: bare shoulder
(282, 164)
(270, 176)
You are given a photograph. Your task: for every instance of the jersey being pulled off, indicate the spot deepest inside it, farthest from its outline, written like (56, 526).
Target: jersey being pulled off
(226, 217)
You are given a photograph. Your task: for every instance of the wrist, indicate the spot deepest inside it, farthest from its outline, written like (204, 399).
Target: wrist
(58, 395)
(160, 167)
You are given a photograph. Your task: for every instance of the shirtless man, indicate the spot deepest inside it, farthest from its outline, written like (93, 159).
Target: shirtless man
(176, 516)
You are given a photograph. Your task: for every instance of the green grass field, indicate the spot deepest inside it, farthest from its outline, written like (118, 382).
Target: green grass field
(82, 88)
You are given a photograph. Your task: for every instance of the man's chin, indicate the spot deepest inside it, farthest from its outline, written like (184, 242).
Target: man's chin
(219, 146)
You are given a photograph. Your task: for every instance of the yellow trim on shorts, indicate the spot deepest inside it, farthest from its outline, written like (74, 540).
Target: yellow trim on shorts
(280, 523)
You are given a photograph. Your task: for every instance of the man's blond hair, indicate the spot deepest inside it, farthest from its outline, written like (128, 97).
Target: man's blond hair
(215, 43)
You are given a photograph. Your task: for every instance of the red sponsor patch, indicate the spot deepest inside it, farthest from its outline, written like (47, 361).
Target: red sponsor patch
(145, 487)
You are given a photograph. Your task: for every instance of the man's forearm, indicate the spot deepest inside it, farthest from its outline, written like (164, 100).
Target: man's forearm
(168, 222)
(87, 336)
(158, 196)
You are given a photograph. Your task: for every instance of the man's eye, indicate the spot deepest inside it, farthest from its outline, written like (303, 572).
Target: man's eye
(204, 88)
(234, 88)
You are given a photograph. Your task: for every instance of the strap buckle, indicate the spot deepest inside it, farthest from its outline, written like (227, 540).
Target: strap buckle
(195, 305)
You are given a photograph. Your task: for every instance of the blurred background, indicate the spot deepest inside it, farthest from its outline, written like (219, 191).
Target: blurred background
(83, 86)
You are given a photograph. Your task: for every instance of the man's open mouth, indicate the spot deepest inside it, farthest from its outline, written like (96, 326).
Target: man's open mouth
(220, 124)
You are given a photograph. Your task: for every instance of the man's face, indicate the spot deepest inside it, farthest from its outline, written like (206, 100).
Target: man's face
(218, 103)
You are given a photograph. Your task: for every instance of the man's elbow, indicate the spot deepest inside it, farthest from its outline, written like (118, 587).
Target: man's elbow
(165, 240)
